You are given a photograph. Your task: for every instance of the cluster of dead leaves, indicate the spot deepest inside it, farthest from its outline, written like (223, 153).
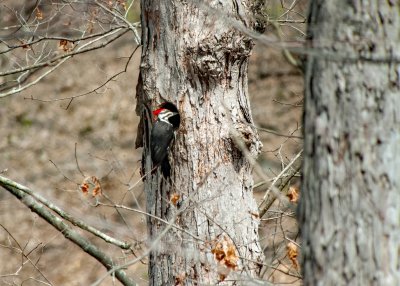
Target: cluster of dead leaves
(225, 253)
(25, 46)
(175, 197)
(293, 252)
(65, 45)
(38, 14)
(91, 185)
(293, 194)
(292, 249)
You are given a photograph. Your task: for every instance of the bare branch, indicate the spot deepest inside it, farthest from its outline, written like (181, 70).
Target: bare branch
(62, 59)
(30, 200)
(71, 98)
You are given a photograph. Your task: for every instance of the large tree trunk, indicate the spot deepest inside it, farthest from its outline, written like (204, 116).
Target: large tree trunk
(193, 58)
(350, 207)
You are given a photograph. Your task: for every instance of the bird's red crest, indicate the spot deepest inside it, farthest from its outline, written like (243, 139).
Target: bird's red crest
(157, 111)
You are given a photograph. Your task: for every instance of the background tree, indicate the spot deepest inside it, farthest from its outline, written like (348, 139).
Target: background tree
(350, 210)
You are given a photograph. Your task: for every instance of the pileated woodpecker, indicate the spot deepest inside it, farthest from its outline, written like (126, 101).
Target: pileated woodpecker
(162, 133)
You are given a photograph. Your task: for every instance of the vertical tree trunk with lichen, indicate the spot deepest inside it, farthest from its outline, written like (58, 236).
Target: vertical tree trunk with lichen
(350, 207)
(193, 57)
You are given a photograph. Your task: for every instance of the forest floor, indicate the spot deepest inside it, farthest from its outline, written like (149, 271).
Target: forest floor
(41, 143)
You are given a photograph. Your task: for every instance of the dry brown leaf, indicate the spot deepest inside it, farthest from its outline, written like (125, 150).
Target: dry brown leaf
(222, 276)
(38, 14)
(292, 252)
(65, 45)
(231, 257)
(96, 191)
(84, 188)
(91, 183)
(175, 198)
(25, 46)
(90, 28)
(225, 253)
(293, 194)
(97, 187)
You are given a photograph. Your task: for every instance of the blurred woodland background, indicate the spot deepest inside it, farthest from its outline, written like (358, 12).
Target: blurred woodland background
(79, 121)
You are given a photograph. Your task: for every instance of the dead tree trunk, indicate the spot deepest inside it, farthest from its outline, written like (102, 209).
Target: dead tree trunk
(192, 57)
(350, 207)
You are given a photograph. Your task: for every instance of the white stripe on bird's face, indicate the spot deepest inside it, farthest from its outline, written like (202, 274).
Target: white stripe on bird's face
(165, 114)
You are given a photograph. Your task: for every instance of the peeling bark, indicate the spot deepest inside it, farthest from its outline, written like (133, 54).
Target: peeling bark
(199, 63)
(350, 207)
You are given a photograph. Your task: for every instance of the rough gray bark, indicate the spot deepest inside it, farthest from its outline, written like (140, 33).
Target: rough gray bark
(350, 207)
(197, 61)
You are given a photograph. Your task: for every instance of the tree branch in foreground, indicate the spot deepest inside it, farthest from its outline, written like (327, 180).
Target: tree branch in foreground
(20, 192)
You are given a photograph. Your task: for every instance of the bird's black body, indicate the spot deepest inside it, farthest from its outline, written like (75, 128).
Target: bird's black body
(162, 133)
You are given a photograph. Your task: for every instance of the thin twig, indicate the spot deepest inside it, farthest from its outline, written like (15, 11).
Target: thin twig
(26, 255)
(130, 25)
(71, 98)
(70, 54)
(257, 168)
(77, 163)
(288, 172)
(56, 38)
(277, 133)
